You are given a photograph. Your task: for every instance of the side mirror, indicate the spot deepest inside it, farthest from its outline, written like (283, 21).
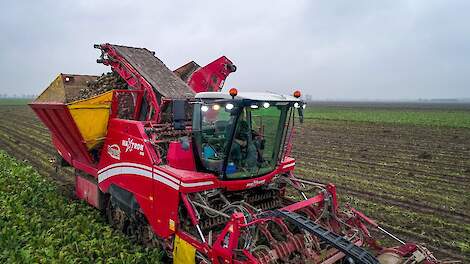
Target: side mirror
(179, 114)
(301, 114)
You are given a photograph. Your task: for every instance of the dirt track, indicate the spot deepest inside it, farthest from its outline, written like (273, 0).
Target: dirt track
(414, 180)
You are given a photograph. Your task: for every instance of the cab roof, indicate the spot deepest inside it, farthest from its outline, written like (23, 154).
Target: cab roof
(255, 96)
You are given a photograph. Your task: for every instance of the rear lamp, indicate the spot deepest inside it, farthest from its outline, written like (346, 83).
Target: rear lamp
(233, 92)
(297, 94)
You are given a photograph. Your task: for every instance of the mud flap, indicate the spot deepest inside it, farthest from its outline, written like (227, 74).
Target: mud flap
(183, 252)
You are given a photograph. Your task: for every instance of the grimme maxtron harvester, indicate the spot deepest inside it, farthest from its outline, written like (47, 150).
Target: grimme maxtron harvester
(203, 174)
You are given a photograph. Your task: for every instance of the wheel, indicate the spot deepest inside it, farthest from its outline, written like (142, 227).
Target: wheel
(144, 235)
(141, 231)
(116, 217)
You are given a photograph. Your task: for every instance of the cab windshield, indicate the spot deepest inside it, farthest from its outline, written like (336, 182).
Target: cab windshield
(240, 140)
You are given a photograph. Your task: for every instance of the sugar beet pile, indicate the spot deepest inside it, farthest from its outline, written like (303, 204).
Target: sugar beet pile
(106, 82)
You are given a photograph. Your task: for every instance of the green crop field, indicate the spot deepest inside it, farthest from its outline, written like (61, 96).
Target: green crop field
(38, 225)
(14, 101)
(441, 117)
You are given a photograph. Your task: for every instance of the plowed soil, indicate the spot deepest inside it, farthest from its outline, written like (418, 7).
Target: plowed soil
(414, 180)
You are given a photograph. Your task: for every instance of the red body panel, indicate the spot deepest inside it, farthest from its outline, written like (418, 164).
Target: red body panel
(65, 135)
(132, 77)
(211, 77)
(129, 161)
(181, 158)
(87, 190)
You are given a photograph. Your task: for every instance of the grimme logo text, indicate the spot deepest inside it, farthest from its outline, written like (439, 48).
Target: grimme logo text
(131, 145)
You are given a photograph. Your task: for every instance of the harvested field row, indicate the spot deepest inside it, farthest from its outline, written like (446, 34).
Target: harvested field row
(389, 196)
(438, 154)
(406, 179)
(377, 168)
(435, 241)
(413, 143)
(391, 162)
(406, 176)
(38, 154)
(364, 133)
(397, 169)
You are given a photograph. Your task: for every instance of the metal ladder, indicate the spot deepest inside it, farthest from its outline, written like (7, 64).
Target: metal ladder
(358, 254)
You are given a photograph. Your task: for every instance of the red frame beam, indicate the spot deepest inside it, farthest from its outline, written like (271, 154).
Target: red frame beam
(299, 205)
(132, 77)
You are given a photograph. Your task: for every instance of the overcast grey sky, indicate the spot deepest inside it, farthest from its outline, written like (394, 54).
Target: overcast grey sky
(329, 49)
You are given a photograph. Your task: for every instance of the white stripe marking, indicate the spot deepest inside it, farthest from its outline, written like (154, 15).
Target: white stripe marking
(123, 170)
(167, 182)
(127, 164)
(146, 171)
(196, 184)
(124, 164)
(131, 170)
(161, 173)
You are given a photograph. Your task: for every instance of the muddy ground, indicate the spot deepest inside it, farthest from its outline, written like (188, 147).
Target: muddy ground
(414, 180)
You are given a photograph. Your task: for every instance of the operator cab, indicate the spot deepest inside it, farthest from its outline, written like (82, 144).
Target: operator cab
(242, 136)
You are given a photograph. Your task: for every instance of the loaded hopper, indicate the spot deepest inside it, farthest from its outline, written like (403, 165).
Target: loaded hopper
(76, 108)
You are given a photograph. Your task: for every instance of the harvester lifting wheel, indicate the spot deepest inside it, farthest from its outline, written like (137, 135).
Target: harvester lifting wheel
(146, 236)
(117, 217)
(141, 231)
